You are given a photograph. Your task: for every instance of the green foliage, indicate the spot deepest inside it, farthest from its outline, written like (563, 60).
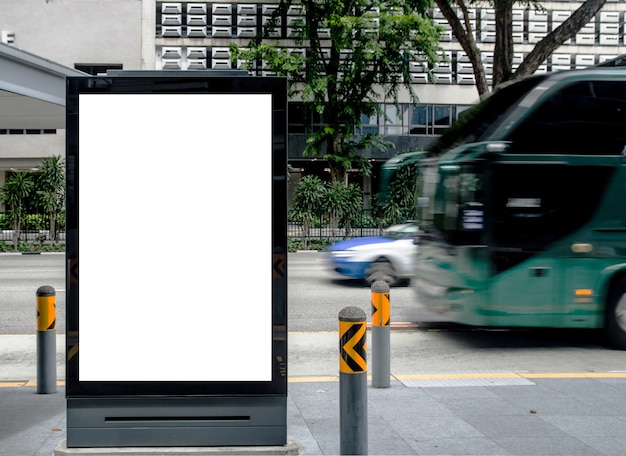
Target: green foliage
(365, 61)
(50, 191)
(399, 202)
(14, 194)
(309, 197)
(343, 204)
(24, 194)
(293, 245)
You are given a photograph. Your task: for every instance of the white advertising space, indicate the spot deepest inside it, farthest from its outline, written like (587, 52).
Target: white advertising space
(175, 236)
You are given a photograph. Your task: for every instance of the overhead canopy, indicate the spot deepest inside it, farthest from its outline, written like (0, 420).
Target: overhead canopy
(32, 90)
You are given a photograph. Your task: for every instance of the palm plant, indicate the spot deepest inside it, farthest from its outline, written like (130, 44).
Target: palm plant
(51, 191)
(13, 195)
(309, 196)
(334, 205)
(352, 206)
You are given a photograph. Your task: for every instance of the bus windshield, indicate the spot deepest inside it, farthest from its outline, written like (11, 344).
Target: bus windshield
(475, 124)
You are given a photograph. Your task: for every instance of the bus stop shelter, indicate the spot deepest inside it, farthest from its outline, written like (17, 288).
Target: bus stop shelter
(32, 90)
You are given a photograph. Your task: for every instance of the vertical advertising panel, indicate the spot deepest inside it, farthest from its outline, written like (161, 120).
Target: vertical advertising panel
(176, 246)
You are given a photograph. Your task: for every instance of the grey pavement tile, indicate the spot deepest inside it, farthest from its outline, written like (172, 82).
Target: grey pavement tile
(35, 420)
(545, 401)
(612, 446)
(599, 396)
(429, 427)
(537, 391)
(558, 407)
(404, 402)
(461, 392)
(589, 426)
(515, 426)
(567, 446)
(387, 447)
(469, 446)
(298, 430)
(617, 383)
(484, 406)
(326, 434)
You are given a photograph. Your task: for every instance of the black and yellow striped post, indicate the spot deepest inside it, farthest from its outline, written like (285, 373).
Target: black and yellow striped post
(352, 381)
(46, 340)
(381, 334)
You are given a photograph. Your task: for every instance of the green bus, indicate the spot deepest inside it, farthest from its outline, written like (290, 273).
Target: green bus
(522, 207)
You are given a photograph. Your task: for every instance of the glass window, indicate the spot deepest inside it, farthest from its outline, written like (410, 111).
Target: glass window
(297, 118)
(395, 119)
(442, 118)
(584, 118)
(369, 124)
(451, 201)
(529, 212)
(419, 120)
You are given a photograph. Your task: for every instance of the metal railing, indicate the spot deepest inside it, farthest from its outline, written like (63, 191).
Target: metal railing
(364, 225)
(31, 236)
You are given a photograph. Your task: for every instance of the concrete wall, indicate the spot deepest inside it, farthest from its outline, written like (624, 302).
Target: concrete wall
(76, 31)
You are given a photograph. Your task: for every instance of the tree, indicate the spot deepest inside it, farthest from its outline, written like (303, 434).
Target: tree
(344, 203)
(13, 195)
(357, 55)
(351, 208)
(503, 48)
(308, 198)
(50, 183)
(334, 205)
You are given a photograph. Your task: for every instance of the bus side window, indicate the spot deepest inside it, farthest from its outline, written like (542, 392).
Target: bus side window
(585, 118)
(531, 212)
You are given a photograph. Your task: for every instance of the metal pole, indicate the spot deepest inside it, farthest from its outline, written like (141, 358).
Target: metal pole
(352, 381)
(46, 340)
(381, 333)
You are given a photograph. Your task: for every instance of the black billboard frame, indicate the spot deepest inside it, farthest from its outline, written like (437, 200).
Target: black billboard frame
(179, 413)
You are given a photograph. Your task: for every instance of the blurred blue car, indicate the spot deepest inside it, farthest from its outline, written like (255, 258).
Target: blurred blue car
(388, 257)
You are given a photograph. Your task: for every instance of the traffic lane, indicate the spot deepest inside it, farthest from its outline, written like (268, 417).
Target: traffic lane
(316, 294)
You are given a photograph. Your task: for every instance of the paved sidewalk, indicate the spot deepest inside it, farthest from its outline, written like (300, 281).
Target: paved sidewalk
(455, 413)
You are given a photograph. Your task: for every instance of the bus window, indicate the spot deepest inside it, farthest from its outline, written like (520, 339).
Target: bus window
(584, 118)
(534, 205)
(451, 202)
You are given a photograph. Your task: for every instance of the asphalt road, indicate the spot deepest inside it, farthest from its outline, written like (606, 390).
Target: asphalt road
(316, 295)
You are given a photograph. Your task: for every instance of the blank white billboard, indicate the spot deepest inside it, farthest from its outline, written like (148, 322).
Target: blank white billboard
(175, 237)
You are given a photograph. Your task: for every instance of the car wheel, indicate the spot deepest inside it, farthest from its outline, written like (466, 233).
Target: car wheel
(381, 270)
(615, 319)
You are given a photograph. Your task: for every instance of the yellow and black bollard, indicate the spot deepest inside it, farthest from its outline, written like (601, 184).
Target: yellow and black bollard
(381, 335)
(352, 381)
(46, 340)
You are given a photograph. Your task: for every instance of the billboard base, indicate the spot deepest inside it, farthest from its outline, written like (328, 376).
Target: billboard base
(221, 421)
(291, 448)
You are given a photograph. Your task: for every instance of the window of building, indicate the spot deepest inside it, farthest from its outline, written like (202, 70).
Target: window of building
(419, 120)
(443, 115)
(298, 118)
(396, 119)
(369, 124)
